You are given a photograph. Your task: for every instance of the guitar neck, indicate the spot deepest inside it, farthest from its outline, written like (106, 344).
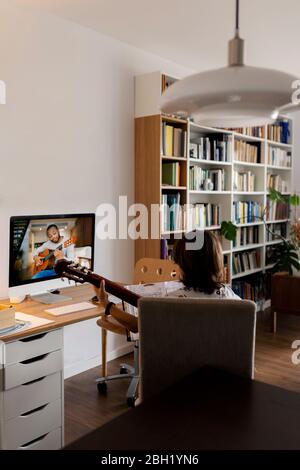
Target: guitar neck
(114, 289)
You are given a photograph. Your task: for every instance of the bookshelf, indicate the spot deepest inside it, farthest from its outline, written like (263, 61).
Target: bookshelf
(249, 160)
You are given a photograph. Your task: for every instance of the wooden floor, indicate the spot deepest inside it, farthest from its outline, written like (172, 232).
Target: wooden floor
(86, 409)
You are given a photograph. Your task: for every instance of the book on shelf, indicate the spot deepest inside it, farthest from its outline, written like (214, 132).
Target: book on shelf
(280, 131)
(226, 272)
(202, 179)
(279, 157)
(247, 212)
(243, 181)
(245, 261)
(246, 236)
(245, 152)
(171, 174)
(253, 289)
(173, 214)
(174, 141)
(276, 182)
(276, 231)
(212, 148)
(250, 131)
(204, 215)
(277, 210)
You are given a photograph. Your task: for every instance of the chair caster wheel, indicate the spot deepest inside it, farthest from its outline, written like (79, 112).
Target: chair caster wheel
(102, 387)
(123, 370)
(131, 402)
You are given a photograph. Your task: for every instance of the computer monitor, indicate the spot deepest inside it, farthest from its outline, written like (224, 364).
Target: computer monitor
(36, 242)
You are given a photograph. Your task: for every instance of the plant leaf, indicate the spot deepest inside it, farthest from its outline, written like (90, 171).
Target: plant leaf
(228, 230)
(276, 196)
(294, 200)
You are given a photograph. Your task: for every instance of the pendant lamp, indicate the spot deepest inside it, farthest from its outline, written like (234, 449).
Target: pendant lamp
(234, 96)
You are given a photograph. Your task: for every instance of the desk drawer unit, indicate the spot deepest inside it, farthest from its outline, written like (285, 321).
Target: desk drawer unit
(32, 425)
(31, 395)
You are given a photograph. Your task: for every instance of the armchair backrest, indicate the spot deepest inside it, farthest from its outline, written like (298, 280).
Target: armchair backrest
(178, 336)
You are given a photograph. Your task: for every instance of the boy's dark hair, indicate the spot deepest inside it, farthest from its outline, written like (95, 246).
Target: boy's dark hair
(202, 269)
(52, 226)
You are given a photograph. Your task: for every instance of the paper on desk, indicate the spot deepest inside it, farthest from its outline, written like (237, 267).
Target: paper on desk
(34, 321)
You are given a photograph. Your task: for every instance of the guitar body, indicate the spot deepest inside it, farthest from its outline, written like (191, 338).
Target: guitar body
(49, 258)
(42, 267)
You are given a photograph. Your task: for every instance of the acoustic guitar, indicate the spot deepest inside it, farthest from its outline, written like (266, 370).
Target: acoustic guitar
(80, 274)
(49, 258)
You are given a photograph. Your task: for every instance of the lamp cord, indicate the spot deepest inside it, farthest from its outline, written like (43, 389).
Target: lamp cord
(237, 15)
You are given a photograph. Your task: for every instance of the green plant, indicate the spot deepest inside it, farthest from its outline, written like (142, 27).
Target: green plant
(285, 256)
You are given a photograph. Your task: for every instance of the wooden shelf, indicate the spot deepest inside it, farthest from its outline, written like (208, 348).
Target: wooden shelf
(250, 138)
(274, 242)
(168, 187)
(249, 193)
(209, 162)
(278, 144)
(193, 191)
(246, 273)
(248, 224)
(247, 247)
(278, 221)
(278, 167)
(181, 159)
(241, 163)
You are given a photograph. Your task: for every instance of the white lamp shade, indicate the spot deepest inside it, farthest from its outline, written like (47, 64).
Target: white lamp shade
(237, 96)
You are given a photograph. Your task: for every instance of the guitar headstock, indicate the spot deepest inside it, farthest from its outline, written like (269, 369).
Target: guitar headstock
(71, 241)
(73, 271)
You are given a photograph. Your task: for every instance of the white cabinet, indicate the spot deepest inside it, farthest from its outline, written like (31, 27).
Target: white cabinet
(31, 392)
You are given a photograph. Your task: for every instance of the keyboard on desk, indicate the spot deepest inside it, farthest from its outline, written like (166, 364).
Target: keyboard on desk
(72, 308)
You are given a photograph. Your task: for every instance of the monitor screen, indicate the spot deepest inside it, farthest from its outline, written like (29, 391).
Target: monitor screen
(36, 242)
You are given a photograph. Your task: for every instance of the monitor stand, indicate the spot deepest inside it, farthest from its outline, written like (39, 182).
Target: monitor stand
(49, 298)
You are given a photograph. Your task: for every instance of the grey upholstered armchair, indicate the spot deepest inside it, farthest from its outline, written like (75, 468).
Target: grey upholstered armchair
(178, 336)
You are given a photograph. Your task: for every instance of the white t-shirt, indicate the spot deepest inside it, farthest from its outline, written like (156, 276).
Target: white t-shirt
(175, 289)
(69, 252)
(225, 292)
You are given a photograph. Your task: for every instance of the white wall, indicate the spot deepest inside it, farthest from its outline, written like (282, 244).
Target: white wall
(67, 136)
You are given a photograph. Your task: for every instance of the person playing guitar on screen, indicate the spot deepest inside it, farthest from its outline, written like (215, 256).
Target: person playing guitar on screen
(53, 249)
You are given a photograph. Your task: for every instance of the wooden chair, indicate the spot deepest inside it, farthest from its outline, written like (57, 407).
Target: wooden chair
(285, 296)
(147, 270)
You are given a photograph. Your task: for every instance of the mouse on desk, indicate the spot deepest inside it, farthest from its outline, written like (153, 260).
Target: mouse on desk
(94, 299)
(55, 291)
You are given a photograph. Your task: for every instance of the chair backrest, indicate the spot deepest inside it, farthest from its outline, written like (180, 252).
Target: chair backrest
(178, 336)
(285, 294)
(155, 270)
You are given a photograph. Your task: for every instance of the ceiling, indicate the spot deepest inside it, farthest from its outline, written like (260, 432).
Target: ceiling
(193, 33)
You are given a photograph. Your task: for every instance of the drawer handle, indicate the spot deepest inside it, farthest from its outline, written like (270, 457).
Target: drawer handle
(33, 338)
(28, 413)
(34, 441)
(33, 381)
(34, 359)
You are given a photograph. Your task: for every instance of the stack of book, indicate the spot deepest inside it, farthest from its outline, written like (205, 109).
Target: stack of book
(277, 210)
(174, 141)
(215, 148)
(279, 157)
(171, 174)
(251, 131)
(280, 131)
(276, 182)
(172, 213)
(206, 180)
(245, 261)
(204, 215)
(246, 236)
(245, 152)
(244, 181)
(254, 289)
(276, 231)
(246, 212)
